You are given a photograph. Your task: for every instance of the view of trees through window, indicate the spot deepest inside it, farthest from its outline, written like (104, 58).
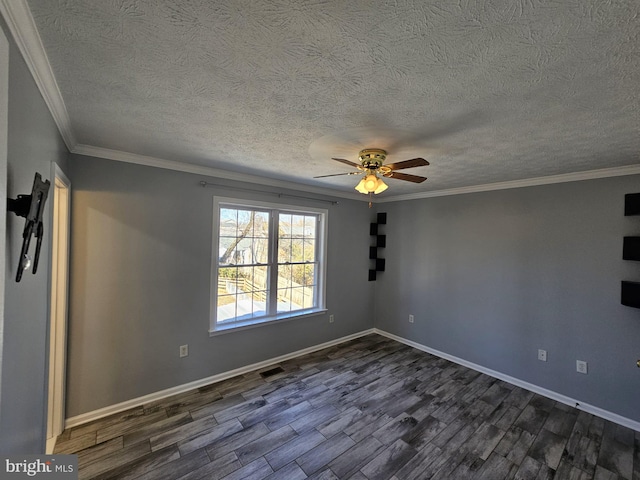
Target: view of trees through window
(249, 254)
(296, 261)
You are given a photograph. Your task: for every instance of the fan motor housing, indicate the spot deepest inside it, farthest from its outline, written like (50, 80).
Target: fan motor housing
(372, 158)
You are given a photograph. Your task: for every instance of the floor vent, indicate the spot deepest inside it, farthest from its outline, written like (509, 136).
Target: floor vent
(272, 372)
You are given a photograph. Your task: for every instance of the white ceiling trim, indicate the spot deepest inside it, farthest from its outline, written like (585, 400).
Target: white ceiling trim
(23, 28)
(127, 157)
(529, 182)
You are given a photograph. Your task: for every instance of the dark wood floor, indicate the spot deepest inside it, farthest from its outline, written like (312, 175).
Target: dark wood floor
(370, 408)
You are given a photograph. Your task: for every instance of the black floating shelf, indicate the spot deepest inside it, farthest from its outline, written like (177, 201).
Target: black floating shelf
(631, 248)
(630, 294)
(380, 241)
(632, 204)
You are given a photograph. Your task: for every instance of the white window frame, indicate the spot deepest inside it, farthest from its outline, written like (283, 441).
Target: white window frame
(321, 249)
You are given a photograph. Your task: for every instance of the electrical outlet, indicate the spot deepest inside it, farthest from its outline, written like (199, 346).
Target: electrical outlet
(184, 350)
(542, 355)
(581, 366)
(331, 318)
(410, 318)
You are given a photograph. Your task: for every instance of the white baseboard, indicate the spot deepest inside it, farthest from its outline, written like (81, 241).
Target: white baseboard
(580, 405)
(136, 402)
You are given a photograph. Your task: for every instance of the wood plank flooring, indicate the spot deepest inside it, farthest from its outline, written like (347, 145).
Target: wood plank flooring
(371, 408)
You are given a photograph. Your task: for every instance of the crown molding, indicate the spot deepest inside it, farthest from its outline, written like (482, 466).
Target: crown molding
(527, 182)
(120, 156)
(23, 29)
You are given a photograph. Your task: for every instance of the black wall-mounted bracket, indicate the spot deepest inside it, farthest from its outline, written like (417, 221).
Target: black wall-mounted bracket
(31, 207)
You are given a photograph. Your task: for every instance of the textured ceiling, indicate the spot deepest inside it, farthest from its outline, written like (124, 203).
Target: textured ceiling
(487, 91)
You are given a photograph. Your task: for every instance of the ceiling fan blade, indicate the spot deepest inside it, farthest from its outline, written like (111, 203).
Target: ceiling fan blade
(346, 162)
(414, 162)
(338, 174)
(405, 176)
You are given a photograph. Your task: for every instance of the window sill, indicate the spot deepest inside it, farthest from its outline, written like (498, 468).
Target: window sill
(284, 317)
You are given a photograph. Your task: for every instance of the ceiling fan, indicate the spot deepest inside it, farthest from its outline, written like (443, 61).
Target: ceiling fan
(372, 164)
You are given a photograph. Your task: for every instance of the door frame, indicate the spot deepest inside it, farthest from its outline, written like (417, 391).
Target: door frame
(59, 305)
(4, 128)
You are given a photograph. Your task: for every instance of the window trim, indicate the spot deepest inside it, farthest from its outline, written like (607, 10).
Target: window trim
(214, 328)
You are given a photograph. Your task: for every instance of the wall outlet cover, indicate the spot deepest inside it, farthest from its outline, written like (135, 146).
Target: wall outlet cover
(581, 366)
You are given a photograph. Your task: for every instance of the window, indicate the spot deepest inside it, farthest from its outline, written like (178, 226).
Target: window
(268, 262)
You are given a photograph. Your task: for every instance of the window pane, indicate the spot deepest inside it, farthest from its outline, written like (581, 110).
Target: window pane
(284, 276)
(297, 274)
(305, 274)
(310, 226)
(243, 251)
(245, 278)
(296, 250)
(225, 274)
(242, 296)
(297, 245)
(308, 297)
(228, 222)
(284, 225)
(295, 287)
(239, 229)
(259, 305)
(309, 250)
(243, 240)
(260, 250)
(297, 225)
(261, 225)
(225, 250)
(245, 222)
(226, 308)
(284, 250)
(297, 298)
(284, 300)
(261, 278)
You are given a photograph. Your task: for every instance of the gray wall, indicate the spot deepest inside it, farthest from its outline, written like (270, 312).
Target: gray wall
(140, 275)
(492, 277)
(33, 144)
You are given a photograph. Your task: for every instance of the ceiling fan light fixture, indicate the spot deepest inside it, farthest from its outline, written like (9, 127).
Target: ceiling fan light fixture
(360, 187)
(371, 182)
(372, 165)
(381, 187)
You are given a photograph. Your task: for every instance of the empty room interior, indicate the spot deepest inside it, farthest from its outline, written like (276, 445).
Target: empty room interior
(322, 239)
